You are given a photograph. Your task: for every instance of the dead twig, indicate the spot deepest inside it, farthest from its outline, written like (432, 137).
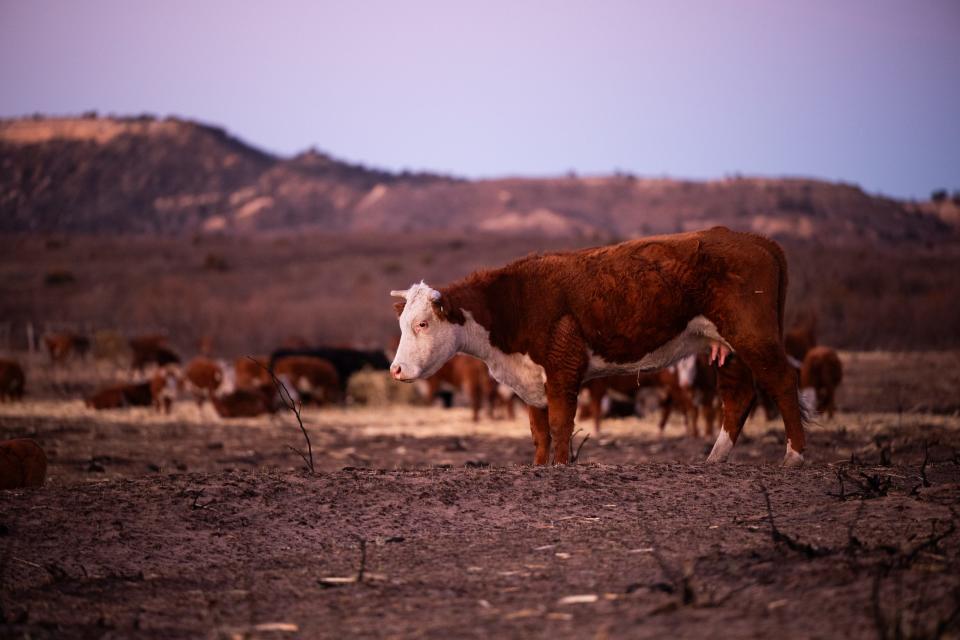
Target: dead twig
(294, 407)
(363, 560)
(871, 486)
(576, 455)
(779, 537)
(923, 467)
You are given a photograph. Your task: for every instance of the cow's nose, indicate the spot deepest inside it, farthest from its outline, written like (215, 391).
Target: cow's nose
(395, 371)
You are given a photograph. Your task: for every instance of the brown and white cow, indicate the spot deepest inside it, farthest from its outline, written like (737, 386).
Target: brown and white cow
(245, 402)
(546, 323)
(670, 394)
(822, 371)
(118, 396)
(165, 385)
(314, 379)
(468, 375)
(252, 372)
(203, 377)
(61, 346)
(799, 339)
(704, 394)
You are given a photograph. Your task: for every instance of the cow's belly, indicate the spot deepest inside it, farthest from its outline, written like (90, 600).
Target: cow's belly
(698, 335)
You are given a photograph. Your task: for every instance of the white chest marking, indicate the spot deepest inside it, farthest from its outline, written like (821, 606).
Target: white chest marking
(516, 370)
(698, 335)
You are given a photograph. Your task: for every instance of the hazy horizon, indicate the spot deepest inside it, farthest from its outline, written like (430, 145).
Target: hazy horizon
(863, 92)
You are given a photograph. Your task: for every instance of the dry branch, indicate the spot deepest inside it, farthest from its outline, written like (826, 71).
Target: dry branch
(294, 407)
(779, 537)
(576, 454)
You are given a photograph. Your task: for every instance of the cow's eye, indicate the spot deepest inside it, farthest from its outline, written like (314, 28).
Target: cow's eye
(423, 324)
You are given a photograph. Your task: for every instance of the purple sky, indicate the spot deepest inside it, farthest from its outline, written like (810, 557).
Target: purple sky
(865, 91)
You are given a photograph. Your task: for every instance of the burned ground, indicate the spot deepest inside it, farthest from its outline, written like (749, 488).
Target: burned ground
(420, 523)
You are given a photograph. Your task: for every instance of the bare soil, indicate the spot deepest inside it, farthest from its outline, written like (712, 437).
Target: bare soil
(420, 523)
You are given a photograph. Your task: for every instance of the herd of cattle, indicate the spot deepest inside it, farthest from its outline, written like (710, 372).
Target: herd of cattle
(251, 386)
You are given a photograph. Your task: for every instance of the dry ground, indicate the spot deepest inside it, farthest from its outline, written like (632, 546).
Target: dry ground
(420, 523)
(189, 527)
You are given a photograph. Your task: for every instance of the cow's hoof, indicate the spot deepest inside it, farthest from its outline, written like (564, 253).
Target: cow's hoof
(721, 448)
(792, 460)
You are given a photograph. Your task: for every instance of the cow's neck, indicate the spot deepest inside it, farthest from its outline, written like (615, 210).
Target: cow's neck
(516, 370)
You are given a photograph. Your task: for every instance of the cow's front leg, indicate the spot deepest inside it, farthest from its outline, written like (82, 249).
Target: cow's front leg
(566, 365)
(540, 430)
(561, 411)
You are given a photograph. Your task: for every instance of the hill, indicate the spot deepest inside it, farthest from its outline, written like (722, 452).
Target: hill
(171, 176)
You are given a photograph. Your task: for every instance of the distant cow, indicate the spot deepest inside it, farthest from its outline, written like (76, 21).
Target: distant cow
(547, 323)
(119, 396)
(799, 340)
(251, 372)
(164, 388)
(822, 371)
(469, 375)
(315, 379)
(60, 346)
(22, 464)
(151, 349)
(12, 381)
(670, 395)
(245, 403)
(203, 377)
(704, 392)
(346, 361)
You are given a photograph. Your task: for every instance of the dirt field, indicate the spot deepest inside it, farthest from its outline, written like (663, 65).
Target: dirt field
(419, 522)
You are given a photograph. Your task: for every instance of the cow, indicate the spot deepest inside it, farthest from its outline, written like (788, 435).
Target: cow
(801, 337)
(165, 385)
(346, 361)
(12, 381)
(60, 346)
(251, 372)
(704, 394)
(203, 377)
(822, 371)
(546, 323)
(151, 349)
(245, 402)
(670, 394)
(314, 379)
(22, 464)
(118, 396)
(470, 376)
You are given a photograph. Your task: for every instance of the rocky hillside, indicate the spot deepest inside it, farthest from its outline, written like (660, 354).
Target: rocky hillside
(172, 176)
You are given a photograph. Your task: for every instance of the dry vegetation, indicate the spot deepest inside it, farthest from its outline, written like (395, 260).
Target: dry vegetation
(252, 293)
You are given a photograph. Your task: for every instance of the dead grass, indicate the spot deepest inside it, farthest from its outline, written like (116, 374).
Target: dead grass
(332, 288)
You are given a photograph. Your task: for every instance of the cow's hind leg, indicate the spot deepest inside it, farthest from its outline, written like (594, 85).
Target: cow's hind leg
(738, 397)
(540, 430)
(775, 376)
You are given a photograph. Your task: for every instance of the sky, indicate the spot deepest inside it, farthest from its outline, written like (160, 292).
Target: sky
(861, 91)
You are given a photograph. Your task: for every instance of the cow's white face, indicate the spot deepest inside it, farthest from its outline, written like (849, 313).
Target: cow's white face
(426, 340)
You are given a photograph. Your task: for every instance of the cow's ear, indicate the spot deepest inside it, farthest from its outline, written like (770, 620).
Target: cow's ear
(446, 310)
(398, 306)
